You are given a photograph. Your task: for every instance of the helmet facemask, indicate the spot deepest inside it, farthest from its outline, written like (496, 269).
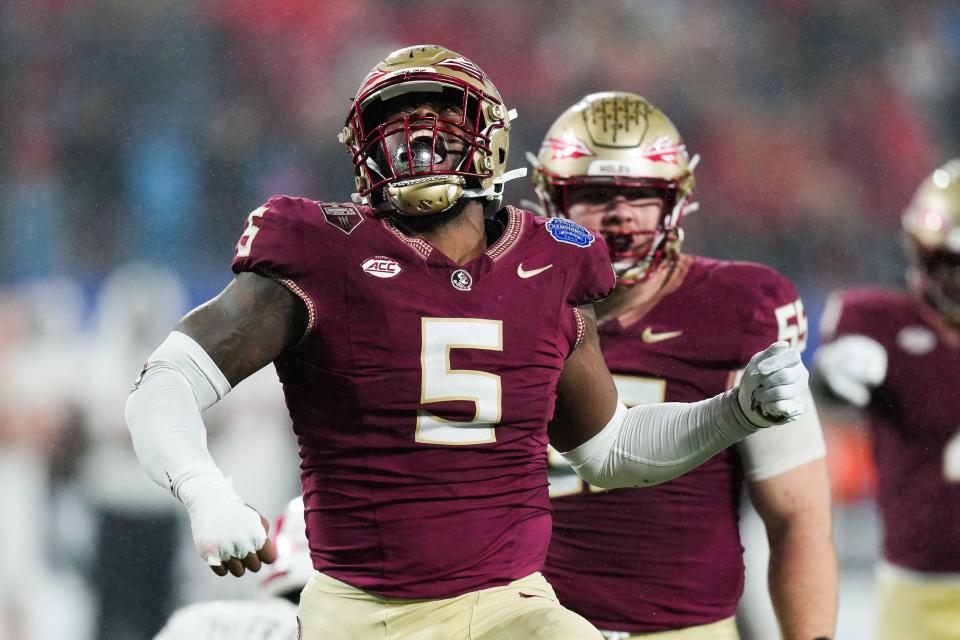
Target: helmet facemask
(418, 161)
(403, 159)
(936, 275)
(635, 254)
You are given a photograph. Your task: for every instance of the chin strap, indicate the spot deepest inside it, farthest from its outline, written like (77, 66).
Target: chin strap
(495, 190)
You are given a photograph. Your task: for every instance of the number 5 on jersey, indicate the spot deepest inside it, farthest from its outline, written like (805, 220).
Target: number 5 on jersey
(440, 383)
(246, 240)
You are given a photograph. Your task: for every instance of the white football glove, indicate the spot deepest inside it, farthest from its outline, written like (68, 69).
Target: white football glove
(851, 366)
(773, 386)
(223, 526)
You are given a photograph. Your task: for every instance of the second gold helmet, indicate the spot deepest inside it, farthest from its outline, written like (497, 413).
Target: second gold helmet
(931, 226)
(618, 140)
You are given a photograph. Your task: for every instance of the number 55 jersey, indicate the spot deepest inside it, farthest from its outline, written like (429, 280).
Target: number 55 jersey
(669, 556)
(421, 390)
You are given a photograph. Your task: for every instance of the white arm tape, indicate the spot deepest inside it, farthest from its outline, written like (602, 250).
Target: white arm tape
(649, 444)
(163, 412)
(771, 452)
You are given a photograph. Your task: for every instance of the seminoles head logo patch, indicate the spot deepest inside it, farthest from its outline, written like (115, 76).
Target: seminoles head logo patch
(344, 216)
(461, 280)
(569, 232)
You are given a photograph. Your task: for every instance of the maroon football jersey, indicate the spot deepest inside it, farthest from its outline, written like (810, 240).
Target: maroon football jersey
(669, 556)
(421, 391)
(914, 425)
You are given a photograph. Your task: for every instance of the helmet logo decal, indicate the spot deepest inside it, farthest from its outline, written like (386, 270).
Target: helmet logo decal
(566, 146)
(664, 149)
(461, 280)
(375, 74)
(344, 217)
(381, 267)
(464, 66)
(569, 232)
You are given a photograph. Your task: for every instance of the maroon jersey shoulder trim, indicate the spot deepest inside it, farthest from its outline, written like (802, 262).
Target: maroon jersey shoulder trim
(296, 290)
(422, 247)
(581, 329)
(515, 225)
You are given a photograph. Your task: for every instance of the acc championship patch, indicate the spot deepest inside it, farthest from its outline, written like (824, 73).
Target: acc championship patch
(569, 232)
(344, 217)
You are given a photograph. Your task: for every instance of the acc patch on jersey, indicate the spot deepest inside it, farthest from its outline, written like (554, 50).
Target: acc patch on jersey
(343, 217)
(569, 232)
(381, 267)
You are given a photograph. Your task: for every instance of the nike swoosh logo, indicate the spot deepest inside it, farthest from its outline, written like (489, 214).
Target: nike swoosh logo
(650, 337)
(533, 272)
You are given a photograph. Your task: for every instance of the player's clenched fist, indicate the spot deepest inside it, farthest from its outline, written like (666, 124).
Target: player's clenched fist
(773, 385)
(228, 534)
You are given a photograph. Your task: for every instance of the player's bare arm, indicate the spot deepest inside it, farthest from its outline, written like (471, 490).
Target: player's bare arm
(213, 348)
(247, 325)
(795, 508)
(611, 446)
(586, 395)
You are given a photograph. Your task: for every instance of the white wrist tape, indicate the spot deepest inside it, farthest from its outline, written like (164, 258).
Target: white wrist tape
(649, 444)
(163, 415)
(163, 412)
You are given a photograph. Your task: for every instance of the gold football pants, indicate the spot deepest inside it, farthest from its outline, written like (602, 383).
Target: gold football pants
(725, 629)
(918, 611)
(526, 609)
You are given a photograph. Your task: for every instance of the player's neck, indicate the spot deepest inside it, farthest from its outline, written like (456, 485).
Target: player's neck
(634, 296)
(462, 239)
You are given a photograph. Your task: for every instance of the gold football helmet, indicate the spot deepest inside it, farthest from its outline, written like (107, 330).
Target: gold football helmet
(397, 152)
(931, 226)
(620, 142)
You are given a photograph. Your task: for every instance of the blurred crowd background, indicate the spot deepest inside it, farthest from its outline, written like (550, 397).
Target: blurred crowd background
(137, 135)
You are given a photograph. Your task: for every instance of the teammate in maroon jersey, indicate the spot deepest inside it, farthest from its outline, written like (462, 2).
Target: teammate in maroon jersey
(679, 328)
(896, 355)
(429, 342)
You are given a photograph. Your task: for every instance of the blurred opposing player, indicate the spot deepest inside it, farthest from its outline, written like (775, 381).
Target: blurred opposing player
(274, 616)
(668, 559)
(896, 355)
(424, 337)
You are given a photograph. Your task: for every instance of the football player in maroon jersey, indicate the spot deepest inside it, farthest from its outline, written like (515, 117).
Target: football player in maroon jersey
(429, 342)
(896, 355)
(679, 327)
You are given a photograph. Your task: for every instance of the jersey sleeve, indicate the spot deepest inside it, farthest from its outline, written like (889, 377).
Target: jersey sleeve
(272, 245)
(272, 239)
(771, 310)
(593, 278)
(771, 452)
